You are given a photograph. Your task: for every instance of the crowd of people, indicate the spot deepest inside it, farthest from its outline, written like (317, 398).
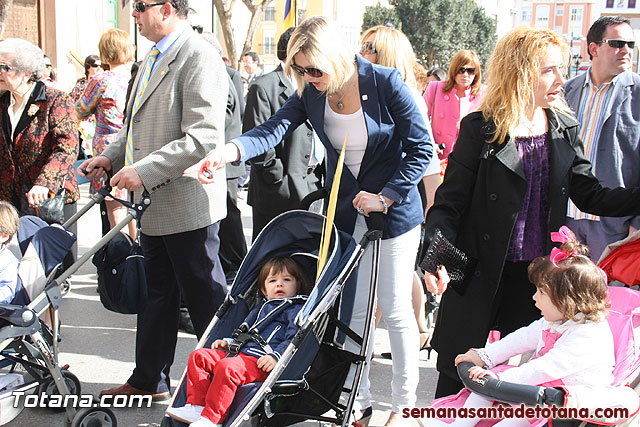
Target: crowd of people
(495, 164)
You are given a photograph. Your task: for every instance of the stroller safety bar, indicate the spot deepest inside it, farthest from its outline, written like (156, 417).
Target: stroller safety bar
(510, 393)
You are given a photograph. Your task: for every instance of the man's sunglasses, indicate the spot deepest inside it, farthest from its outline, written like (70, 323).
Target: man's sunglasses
(312, 71)
(6, 68)
(469, 70)
(619, 44)
(368, 48)
(141, 7)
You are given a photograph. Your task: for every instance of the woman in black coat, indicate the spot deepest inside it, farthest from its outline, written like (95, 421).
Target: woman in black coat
(515, 164)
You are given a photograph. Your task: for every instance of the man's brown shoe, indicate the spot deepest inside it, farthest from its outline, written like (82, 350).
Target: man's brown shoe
(128, 390)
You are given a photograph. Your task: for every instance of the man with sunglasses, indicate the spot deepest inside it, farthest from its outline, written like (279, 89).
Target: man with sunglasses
(176, 113)
(606, 100)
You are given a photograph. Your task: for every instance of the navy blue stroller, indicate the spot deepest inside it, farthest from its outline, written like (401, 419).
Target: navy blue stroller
(308, 380)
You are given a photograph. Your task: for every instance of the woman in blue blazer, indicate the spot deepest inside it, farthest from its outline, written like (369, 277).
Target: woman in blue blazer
(388, 150)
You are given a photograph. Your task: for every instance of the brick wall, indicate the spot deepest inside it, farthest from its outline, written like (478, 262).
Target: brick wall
(22, 21)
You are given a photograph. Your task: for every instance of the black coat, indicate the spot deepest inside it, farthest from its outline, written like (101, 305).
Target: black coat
(476, 208)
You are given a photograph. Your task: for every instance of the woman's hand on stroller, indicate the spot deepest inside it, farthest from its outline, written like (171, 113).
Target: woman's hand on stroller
(267, 363)
(470, 356)
(437, 285)
(213, 161)
(220, 345)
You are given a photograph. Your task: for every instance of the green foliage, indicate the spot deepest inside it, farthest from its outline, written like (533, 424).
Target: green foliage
(438, 29)
(379, 15)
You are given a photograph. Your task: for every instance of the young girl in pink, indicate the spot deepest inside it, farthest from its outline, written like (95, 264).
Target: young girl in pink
(572, 343)
(284, 284)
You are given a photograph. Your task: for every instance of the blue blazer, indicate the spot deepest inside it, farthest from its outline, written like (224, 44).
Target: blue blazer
(397, 154)
(617, 162)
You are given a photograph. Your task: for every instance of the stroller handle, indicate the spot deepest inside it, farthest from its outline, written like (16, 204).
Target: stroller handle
(510, 393)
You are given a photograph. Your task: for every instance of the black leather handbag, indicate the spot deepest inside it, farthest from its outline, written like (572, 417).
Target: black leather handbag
(50, 210)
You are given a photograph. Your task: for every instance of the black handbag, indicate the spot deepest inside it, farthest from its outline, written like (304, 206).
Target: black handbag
(122, 282)
(50, 210)
(442, 252)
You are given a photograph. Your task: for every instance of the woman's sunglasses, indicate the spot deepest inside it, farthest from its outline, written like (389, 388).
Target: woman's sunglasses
(619, 44)
(5, 68)
(469, 70)
(95, 65)
(368, 48)
(141, 7)
(312, 71)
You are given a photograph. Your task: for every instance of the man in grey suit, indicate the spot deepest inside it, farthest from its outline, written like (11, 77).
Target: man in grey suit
(175, 116)
(606, 100)
(284, 175)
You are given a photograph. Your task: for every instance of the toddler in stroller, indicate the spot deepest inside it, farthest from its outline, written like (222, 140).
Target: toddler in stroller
(572, 343)
(253, 351)
(9, 219)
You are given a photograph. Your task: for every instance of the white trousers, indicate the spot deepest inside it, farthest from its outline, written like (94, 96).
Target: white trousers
(395, 280)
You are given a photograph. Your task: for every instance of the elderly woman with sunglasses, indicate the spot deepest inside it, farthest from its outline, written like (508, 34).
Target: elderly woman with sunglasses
(450, 100)
(39, 138)
(388, 149)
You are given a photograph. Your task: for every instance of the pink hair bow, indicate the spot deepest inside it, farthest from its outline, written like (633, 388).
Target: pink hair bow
(561, 236)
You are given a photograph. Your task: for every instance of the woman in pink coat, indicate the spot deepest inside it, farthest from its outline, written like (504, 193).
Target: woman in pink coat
(450, 100)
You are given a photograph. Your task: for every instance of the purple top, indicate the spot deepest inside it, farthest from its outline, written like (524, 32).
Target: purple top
(531, 223)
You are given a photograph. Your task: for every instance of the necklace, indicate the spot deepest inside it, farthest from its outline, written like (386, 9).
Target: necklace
(346, 90)
(530, 126)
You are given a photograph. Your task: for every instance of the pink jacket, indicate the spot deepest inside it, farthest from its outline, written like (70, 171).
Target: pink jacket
(446, 110)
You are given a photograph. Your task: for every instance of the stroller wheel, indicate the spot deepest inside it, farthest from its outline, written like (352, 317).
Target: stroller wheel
(94, 417)
(49, 387)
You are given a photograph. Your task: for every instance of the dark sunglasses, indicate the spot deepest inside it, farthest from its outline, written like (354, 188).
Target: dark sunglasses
(619, 44)
(469, 70)
(48, 65)
(368, 48)
(141, 7)
(95, 65)
(312, 71)
(6, 68)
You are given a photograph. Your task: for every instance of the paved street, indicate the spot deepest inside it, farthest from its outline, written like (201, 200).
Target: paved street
(99, 345)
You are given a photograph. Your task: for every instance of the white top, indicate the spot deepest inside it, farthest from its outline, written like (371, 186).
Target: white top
(337, 126)
(14, 118)
(434, 163)
(583, 355)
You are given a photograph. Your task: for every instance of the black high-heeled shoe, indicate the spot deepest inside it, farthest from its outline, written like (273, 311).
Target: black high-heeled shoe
(365, 418)
(425, 346)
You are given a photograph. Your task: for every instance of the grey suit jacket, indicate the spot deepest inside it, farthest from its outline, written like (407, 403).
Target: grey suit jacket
(179, 120)
(281, 177)
(617, 162)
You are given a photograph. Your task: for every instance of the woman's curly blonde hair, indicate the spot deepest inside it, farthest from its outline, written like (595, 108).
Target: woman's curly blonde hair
(512, 73)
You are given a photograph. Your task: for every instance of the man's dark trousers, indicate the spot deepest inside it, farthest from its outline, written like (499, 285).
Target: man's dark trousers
(183, 263)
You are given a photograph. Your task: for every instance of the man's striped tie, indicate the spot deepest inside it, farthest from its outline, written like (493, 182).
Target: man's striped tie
(128, 158)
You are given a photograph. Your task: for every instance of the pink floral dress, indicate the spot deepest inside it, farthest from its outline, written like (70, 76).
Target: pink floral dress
(104, 96)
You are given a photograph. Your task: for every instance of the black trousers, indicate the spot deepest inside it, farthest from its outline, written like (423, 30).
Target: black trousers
(513, 308)
(184, 264)
(233, 246)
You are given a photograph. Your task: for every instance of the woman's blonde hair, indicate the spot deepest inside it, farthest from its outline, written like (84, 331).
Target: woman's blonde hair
(325, 48)
(574, 284)
(394, 50)
(512, 73)
(461, 59)
(115, 47)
